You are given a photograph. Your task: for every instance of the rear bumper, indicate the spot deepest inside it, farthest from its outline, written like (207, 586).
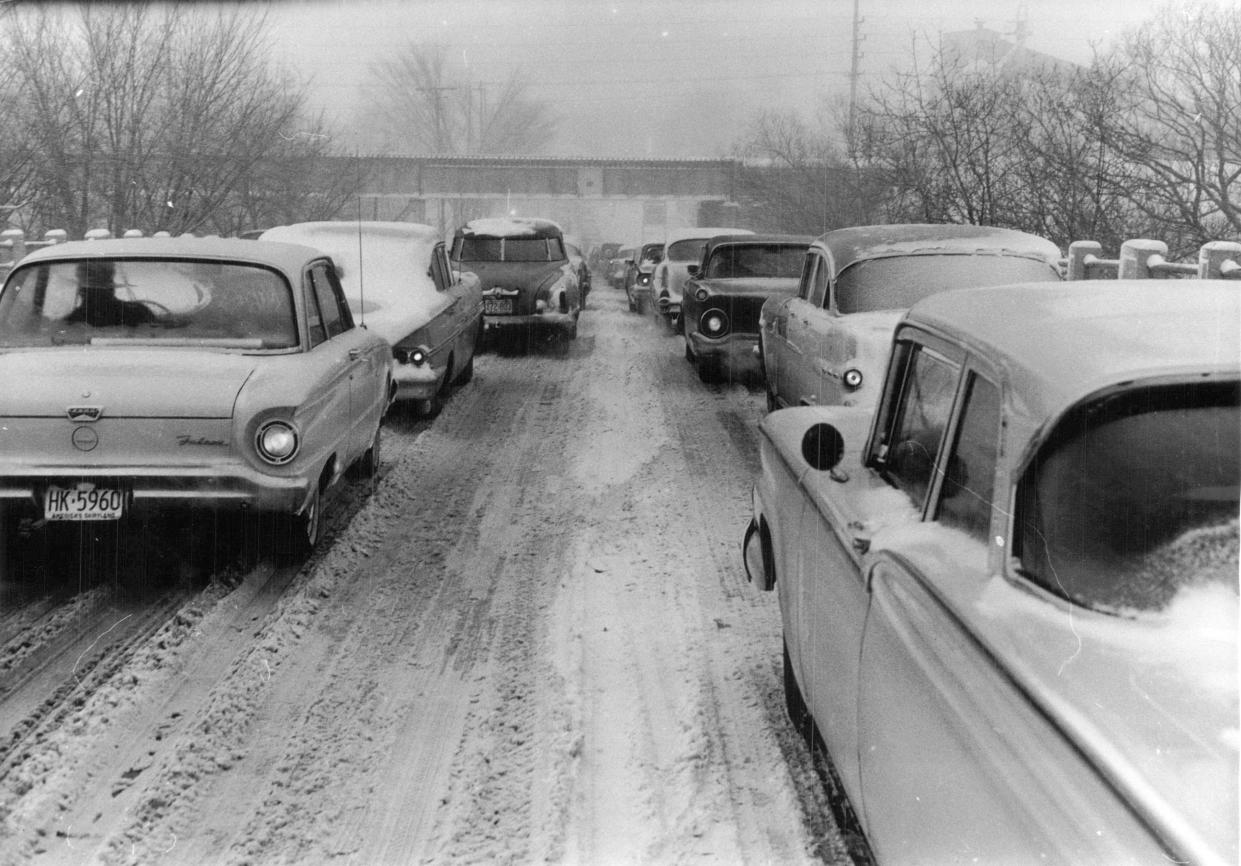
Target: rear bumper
(415, 383)
(230, 486)
(562, 321)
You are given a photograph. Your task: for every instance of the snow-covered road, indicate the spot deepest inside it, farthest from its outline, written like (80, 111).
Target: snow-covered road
(533, 642)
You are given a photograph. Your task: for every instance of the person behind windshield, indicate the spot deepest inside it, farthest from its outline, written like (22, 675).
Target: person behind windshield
(98, 304)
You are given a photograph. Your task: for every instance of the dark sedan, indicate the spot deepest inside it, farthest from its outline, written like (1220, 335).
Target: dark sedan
(726, 293)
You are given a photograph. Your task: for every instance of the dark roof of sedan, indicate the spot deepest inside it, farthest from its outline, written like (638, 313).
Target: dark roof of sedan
(858, 243)
(756, 240)
(286, 257)
(1060, 342)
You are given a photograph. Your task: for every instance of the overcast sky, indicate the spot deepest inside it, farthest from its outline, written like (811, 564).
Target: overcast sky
(668, 79)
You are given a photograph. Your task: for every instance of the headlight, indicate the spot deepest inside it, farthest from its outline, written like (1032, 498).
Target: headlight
(644, 279)
(701, 294)
(852, 378)
(713, 323)
(277, 442)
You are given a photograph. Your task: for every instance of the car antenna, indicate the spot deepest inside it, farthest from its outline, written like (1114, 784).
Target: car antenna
(361, 270)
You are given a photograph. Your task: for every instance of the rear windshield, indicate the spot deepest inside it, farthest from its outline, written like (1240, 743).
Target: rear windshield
(898, 282)
(1136, 497)
(742, 261)
(475, 249)
(653, 253)
(98, 301)
(687, 251)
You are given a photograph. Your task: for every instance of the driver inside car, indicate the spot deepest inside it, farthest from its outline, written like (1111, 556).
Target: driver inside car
(98, 304)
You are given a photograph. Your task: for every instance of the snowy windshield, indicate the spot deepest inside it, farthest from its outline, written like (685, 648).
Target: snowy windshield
(99, 301)
(898, 282)
(686, 251)
(744, 261)
(1136, 496)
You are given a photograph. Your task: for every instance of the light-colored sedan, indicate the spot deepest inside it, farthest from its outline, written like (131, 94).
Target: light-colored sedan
(184, 373)
(827, 344)
(1009, 594)
(682, 247)
(400, 285)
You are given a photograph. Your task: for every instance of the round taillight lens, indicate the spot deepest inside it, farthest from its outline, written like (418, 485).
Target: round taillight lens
(714, 323)
(852, 378)
(277, 442)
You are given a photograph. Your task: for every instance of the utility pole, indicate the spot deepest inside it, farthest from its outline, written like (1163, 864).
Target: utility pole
(854, 74)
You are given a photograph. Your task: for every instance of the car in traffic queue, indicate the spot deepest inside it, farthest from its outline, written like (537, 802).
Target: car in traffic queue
(527, 281)
(725, 294)
(682, 248)
(1009, 592)
(202, 373)
(400, 285)
(827, 344)
(577, 259)
(640, 275)
(618, 266)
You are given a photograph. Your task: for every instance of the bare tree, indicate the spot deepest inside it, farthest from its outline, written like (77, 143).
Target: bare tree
(147, 115)
(1181, 122)
(795, 180)
(426, 105)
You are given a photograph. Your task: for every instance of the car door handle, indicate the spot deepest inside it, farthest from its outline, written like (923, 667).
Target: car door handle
(355, 354)
(826, 369)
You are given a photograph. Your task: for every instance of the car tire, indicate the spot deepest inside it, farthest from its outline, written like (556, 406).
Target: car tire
(708, 370)
(772, 403)
(302, 532)
(467, 372)
(795, 704)
(367, 466)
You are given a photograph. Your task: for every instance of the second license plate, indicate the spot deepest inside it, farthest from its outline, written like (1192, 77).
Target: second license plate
(498, 306)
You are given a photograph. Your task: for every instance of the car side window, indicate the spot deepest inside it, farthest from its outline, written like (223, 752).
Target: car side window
(807, 277)
(969, 473)
(314, 319)
(335, 315)
(922, 412)
(441, 274)
(818, 292)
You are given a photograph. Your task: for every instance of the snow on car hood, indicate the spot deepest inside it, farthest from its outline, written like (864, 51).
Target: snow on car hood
(383, 269)
(128, 382)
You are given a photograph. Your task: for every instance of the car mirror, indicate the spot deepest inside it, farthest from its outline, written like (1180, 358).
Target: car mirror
(822, 446)
(693, 270)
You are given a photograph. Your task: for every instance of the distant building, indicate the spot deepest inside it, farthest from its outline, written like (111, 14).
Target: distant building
(987, 52)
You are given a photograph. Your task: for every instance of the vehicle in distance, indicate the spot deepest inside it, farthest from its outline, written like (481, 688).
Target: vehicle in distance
(682, 248)
(1009, 594)
(725, 294)
(523, 267)
(400, 285)
(618, 266)
(640, 274)
(828, 343)
(573, 247)
(183, 372)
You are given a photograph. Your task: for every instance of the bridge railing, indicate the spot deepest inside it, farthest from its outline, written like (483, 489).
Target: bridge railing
(1148, 259)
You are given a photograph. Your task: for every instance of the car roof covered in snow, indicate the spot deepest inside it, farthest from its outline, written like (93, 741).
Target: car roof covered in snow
(1059, 343)
(510, 227)
(289, 258)
(848, 246)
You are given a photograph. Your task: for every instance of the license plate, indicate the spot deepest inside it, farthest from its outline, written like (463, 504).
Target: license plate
(498, 306)
(74, 503)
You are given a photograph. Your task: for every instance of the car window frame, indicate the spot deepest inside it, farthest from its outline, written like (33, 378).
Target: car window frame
(331, 295)
(972, 373)
(441, 268)
(905, 345)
